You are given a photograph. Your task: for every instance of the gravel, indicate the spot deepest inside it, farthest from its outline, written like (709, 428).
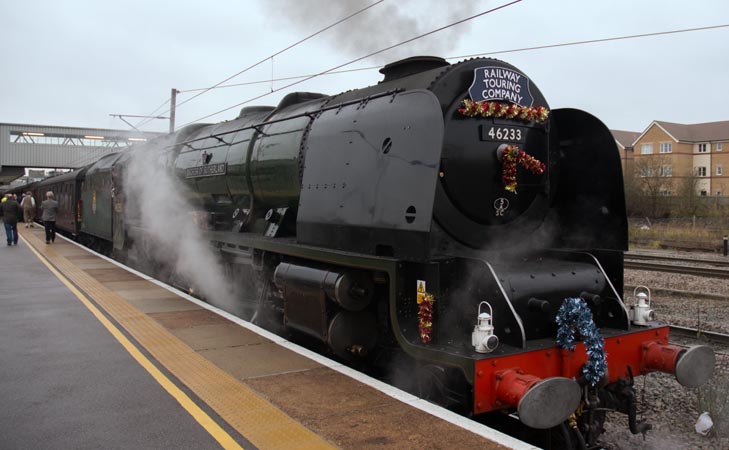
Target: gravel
(711, 314)
(663, 402)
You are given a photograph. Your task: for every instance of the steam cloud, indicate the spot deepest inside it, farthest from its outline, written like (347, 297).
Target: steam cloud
(156, 195)
(383, 25)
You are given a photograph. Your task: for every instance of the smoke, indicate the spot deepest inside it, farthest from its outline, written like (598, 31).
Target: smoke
(157, 201)
(381, 26)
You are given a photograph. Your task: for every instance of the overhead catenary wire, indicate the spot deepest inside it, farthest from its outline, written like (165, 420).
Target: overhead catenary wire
(522, 49)
(592, 41)
(407, 41)
(497, 52)
(150, 118)
(204, 90)
(515, 50)
(282, 51)
(296, 77)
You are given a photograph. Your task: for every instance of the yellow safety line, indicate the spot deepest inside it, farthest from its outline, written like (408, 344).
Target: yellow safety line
(223, 438)
(263, 424)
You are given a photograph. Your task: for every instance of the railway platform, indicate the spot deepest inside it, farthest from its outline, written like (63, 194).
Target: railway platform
(94, 355)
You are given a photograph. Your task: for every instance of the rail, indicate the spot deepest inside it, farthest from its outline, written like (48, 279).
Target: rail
(709, 272)
(711, 336)
(676, 258)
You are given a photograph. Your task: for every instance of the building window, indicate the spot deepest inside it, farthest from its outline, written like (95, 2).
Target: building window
(703, 148)
(700, 171)
(664, 193)
(646, 149)
(718, 146)
(666, 147)
(646, 171)
(718, 169)
(665, 171)
(718, 193)
(703, 193)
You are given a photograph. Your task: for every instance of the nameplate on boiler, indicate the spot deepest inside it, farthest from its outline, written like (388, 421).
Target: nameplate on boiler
(206, 171)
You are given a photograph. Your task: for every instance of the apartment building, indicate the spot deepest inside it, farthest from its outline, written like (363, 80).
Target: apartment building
(677, 151)
(624, 140)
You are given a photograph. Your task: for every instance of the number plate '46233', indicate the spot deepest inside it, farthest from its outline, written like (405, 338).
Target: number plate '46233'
(502, 134)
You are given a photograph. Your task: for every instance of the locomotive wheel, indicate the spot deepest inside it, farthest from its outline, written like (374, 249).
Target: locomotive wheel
(432, 383)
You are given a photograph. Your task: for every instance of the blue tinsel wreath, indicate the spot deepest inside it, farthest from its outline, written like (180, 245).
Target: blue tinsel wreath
(575, 315)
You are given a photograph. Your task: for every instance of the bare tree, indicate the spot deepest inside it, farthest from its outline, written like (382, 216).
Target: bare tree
(653, 183)
(687, 202)
(634, 198)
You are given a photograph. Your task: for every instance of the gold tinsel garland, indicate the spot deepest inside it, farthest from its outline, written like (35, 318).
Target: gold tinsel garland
(513, 157)
(425, 317)
(504, 110)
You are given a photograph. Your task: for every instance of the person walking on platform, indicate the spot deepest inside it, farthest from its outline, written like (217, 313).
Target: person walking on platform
(28, 205)
(50, 208)
(11, 211)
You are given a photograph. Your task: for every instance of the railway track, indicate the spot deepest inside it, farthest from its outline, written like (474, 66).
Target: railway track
(711, 336)
(711, 268)
(675, 258)
(678, 268)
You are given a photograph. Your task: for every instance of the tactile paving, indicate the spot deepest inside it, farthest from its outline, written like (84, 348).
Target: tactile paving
(264, 425)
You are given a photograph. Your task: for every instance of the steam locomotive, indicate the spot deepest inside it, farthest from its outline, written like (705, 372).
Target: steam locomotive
(430, 228)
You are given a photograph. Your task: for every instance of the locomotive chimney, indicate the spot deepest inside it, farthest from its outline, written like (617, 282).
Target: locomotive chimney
(410, 66)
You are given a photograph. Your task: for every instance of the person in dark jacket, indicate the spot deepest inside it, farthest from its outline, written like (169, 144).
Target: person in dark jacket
(11, 211)
(50, 208)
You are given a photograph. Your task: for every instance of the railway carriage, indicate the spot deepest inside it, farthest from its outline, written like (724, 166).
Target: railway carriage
(67, 192)
(95, 204)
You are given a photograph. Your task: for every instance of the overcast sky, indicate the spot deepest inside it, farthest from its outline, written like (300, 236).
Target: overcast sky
(75, 62)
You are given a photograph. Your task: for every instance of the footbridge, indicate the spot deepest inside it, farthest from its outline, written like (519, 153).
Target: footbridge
(56, 147)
